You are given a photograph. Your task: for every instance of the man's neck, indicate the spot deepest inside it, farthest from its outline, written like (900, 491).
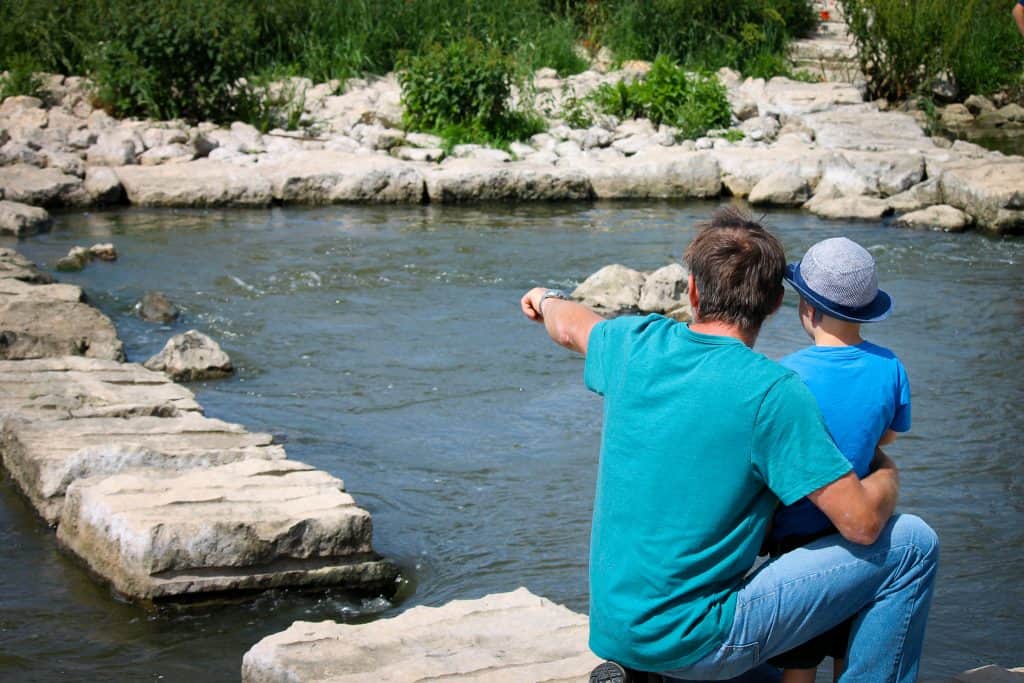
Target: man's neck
(722, 329)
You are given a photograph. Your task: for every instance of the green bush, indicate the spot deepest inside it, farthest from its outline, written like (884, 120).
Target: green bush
(21, 77)
(693, 103)
(751, 35)
(462, 90)
(904, 46)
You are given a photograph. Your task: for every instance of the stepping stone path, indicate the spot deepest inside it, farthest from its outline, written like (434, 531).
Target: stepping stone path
(510, 637)
(154, 497)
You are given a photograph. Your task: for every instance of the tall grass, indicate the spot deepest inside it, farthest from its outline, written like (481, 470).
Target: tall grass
(905, 46)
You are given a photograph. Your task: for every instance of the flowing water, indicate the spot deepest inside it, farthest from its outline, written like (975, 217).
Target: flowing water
(386, 346)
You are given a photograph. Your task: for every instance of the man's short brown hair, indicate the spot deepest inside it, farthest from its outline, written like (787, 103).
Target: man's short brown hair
(737, 266)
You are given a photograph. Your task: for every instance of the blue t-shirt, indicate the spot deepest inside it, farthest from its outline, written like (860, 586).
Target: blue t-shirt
(862, 391)
(702, 437)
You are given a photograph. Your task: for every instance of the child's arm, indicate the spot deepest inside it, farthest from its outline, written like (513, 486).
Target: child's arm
(888, 437)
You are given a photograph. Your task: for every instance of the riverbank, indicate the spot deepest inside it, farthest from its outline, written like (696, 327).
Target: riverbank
(819, 146)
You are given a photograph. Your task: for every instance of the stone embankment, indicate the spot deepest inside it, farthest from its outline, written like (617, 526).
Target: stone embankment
(815, 145)
(154, 497)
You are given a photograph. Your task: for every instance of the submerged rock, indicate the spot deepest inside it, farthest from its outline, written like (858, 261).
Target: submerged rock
(156, 307)
(77, 259)
(191, 356)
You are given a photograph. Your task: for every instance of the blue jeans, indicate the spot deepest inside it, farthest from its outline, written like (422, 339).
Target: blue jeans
(886, 587)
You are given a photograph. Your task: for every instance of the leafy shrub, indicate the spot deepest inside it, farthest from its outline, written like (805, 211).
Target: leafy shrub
(749, 34)
(904, 46)
(21, 77)
(693, 103)
(462, 90)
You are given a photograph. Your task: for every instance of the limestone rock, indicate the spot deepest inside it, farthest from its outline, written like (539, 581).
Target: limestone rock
(191, 356)
(743, 168)
(468, 180)
(75, 387)
(12, 289)
(102, 186)
(977, 104)
(761, 128)
(252, 524)
(21, 219)
(156, 307)
(325, 177)
(115, 148)
(660, 172)
(14, 266)
(858, 128)
(175, 153)
(200, 183)
(505, 638)
(940, 217)
(613, 289)
(32, 327)
(956, 116)
(46, 456)
(250, 140)
(989, 190)
(918, 197)
(1013, 112)
(665, 291)
(76, 260)
(37, 186)
(104, 251)
(783, 97)
(781, 188)
(423, 154)
(860, 208)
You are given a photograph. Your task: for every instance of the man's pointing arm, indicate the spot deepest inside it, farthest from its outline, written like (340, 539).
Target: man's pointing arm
(567, 322)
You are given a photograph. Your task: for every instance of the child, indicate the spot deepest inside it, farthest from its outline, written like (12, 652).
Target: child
(863, 393)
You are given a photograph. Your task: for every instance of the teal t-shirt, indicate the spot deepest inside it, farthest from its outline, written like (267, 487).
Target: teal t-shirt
(702, 437)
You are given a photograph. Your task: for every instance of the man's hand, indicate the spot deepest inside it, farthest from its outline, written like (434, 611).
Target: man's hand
(860, 508)
(567, 322)
(530, 303)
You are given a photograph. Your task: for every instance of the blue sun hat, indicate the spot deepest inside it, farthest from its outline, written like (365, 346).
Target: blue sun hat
(837, 276)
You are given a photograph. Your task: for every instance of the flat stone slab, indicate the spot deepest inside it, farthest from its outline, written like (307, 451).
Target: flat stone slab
(990, 190)
(656, 172)
(323, 177)
(513, 636)
(14, 266)
(199, 183)
(71, 386)
(472, 180)
(865, 128)
(248, 525)
(46, 456)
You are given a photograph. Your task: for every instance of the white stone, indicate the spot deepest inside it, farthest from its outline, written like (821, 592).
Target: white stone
(503, 638)
(21, 219)
(250, 140)
(989, 190)
(200, 183)
(191, 356)
(665, 291)
(173, 153)
(860, 208)
(250, 524)
(333, 177)
(568, 148)
(939, 217)
(37, 186)
(115, 148)
(660, 172)
(781, 188)
(470, 180)
(611, 290)
(633, 144)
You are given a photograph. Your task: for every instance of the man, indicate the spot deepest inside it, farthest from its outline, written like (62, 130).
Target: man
(1018, 15)
(702, 438)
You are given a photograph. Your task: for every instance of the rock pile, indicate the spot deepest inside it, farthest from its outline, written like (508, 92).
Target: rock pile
(156, 498)
(616, 289)
(804, 144)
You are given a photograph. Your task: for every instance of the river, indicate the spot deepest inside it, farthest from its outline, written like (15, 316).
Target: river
(385, 345)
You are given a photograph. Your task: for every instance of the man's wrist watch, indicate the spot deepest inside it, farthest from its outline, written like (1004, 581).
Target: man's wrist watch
(550, 294)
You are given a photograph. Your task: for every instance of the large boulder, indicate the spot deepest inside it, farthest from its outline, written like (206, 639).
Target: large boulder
(325, 177)
(37, 186)
(200, 183)
(35, 326)
(920, 196)
(781, 188)
(743, 168)
(76, 387)
(21, 219)
(191, 356)
(939, 217)
(513, 636)
(46, 456)
(859, 208)
(659, 172)
(469, 180)
(867, 129)
(612, 290)
(666, 291)
(247, 525)
(990, 190)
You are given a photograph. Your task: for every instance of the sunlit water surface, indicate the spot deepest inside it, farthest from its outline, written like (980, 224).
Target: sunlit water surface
(385, 345)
